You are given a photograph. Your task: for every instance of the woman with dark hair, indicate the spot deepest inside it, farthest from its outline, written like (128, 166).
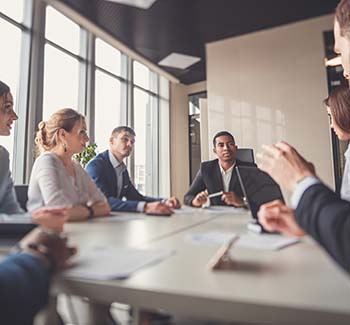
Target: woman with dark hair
(9, 206)
(338, 108)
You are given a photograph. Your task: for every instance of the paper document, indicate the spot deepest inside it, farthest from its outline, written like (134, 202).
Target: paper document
(118, 218)
(260, 242)
(224, 209)
(104, 263)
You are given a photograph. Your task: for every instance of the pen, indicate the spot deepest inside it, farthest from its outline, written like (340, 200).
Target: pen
(221, 254)
(215, 194)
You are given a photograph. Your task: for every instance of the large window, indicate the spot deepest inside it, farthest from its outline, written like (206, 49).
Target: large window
(11, 38)
(108, 94)
(63, 64)
(61, 69)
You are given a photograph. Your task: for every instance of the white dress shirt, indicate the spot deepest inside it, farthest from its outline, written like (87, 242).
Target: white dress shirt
(345, 185)
(119, 168)
(226, 176)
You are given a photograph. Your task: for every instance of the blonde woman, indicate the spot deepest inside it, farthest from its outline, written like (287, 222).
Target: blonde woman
(56, 178)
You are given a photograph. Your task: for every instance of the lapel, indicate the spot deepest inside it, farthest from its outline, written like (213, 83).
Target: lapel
(110, 172)
(217, 179)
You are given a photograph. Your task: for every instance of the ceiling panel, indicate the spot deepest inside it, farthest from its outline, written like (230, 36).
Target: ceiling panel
(184, 26)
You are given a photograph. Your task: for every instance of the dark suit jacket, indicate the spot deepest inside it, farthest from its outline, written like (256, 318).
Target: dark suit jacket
(209, 177)
(326, 217)
(101, 171)
(24, 285)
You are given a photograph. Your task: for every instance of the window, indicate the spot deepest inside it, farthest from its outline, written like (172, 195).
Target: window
(110, 91)
(61, 67)
(13, 9)
(107, 108)
(10, 58)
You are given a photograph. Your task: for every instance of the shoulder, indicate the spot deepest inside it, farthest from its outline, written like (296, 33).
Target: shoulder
(244, 163)
(4, 154)
(209, 164)
(98, 161)
(47, 159)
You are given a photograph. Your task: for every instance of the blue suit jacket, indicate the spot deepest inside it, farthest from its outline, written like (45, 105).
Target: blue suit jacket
(24, 285)
(102, 172)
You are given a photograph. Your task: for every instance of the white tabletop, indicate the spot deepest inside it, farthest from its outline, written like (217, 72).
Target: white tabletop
(296, 284)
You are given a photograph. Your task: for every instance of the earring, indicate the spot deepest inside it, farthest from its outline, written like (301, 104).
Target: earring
(65, 147)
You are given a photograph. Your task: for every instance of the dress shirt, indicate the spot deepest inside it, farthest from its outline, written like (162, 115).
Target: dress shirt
(301, 187)
(119, 168)
(226, 176)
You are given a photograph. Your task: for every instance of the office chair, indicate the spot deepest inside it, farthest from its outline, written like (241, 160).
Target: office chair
(22, 195)
(245, 154)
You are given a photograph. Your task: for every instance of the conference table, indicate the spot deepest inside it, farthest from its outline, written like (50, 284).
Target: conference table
(297, 284)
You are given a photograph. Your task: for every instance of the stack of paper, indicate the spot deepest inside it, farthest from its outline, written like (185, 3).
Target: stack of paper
(103, 263)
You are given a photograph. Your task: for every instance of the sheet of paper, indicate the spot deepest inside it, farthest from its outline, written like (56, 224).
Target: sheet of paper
(224, 209)
(118, 218)
(103, 263)
(254, 241)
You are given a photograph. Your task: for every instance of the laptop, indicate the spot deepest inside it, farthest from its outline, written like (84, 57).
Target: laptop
(258, 188)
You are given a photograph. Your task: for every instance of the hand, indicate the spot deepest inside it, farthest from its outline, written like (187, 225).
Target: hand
(200, 199)
(51, 218)
(230, 198)
(285, 165)
(276, 216)
(173, 202)
(157, 208)
(49, 246)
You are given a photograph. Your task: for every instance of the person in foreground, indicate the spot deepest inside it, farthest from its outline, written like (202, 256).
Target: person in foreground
(218, 175)
(56, 178)
(111, 175)
(318, 210)
(25, 275)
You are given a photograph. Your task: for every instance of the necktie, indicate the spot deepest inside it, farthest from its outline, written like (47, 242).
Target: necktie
(119, 172)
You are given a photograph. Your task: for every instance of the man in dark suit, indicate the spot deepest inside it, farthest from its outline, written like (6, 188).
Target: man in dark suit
(25, 276)
(318, 210)
(218, 175)
(110, 174)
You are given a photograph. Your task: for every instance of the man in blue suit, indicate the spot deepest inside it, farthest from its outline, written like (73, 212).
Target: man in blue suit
(25, 276)
(110, 174)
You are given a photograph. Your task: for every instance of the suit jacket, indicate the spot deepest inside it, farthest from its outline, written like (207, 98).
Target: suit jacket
(102, 172)
(326, 217)
(24, 285)
(209, 177)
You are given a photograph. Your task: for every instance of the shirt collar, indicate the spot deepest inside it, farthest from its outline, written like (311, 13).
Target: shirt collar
(228, 170)
(114, 161)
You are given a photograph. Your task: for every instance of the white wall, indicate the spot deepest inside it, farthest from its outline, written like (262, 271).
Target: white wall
(269, 86)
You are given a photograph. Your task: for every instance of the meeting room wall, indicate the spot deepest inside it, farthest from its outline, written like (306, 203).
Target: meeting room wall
(269, 86)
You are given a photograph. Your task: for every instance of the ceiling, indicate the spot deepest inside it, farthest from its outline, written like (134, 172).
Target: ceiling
(184, 26)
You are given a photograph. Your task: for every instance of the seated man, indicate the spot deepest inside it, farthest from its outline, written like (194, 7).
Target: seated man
(111, 176)
(218, 175)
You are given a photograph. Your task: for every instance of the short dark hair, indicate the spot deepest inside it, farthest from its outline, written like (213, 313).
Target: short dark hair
(4, 89)
(338, 102)
(223, 133)
(121, 129)
(342, 15)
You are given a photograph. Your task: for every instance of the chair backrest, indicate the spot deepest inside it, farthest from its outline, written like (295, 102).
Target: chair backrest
(245, 154)
(22, 195)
